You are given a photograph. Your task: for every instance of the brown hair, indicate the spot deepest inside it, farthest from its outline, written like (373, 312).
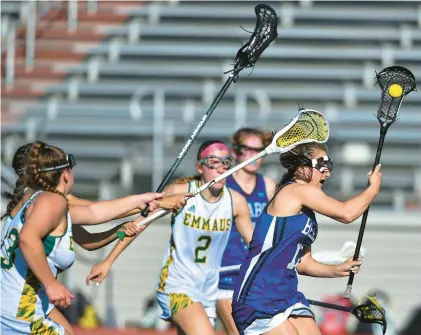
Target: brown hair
(241, 134)
(185, 180)
(17, 164)
(299, 156)
(42, 155)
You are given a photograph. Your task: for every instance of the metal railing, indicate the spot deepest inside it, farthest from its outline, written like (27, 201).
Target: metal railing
(36, 10)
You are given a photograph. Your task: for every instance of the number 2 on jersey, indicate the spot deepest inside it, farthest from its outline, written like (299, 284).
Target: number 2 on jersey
(200, 248)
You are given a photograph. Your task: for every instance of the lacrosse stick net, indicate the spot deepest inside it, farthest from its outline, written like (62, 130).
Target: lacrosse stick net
(400, 79)
(264, 33)
(308, 126)
(369, 312)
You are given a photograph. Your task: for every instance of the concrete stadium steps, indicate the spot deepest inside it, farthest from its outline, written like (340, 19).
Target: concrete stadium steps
(188, 32)
(276, 52)
(281, 111)
(55, 42)
(317, 14)
(130, 130)
(283, 93)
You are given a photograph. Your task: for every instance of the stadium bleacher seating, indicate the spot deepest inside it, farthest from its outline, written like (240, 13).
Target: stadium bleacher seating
(99, 92)
(325, 58)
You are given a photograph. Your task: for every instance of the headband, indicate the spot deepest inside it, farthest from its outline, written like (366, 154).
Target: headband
(212, 147)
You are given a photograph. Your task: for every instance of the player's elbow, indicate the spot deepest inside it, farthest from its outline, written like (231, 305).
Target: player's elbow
(346, 218)
(25, 240)
(345, 215)
(302, 268)
(87, 246)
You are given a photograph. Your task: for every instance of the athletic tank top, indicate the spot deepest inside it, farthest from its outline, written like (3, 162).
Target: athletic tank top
(23, 296)
(268, 278)
(236, 250)
(7, 221)
(199, 236)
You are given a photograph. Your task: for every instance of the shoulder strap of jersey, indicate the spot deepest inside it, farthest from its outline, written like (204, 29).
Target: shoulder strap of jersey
(260, 183)
(277, 191)
(34, 195)
(26, 205)
(227, 191)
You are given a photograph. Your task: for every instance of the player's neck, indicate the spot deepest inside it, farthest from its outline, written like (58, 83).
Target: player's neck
(211, 195)
(244, 178)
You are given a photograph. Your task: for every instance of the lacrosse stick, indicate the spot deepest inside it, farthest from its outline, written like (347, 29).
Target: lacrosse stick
(308, 126)
(395, 82)
(264, 33)
(370, 312)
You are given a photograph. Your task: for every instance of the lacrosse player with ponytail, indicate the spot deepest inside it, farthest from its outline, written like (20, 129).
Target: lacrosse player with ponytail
(257, 190)
(38, 241)
(266, 299)
(188, 283)
(87, 240)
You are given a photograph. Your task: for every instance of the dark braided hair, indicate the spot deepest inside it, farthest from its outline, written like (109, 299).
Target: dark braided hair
(42, 155)
(18, 193)
(298, 157)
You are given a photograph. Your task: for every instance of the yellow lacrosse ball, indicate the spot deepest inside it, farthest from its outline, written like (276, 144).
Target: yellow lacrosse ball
(395, 90)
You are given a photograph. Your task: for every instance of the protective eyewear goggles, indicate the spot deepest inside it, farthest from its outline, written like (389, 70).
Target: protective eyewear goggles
(215, 162)
(322, 163)
(71, 162)
(243, 149)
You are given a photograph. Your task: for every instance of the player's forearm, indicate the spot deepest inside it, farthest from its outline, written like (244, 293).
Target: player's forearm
(356, 206)
(99, 240)
(33, 251)
(122, 245)
(312, 268)
(129, 213)
(104, 211)
(118, 249)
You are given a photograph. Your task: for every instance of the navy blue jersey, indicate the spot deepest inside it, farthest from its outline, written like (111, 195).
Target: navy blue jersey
(236, 250)
(268, 279)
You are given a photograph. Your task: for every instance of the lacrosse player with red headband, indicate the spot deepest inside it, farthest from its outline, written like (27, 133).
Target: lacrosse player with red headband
(257, 190)
(266, 299)
(188, 283)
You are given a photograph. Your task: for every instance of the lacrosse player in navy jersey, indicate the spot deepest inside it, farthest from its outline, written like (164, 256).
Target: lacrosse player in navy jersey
(266, 299)
(257, 190)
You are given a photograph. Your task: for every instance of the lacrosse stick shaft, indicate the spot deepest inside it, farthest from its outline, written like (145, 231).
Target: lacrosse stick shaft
(193, 136)
(230, 172)
(383, 131)
(331, 306)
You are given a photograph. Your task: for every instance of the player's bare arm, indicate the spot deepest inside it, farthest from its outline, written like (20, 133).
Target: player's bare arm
(242, 216)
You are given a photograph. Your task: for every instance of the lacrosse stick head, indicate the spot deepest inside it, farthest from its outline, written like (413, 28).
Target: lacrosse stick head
(395, 82)
(264, 33)
(308, 126)
(371, 312)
